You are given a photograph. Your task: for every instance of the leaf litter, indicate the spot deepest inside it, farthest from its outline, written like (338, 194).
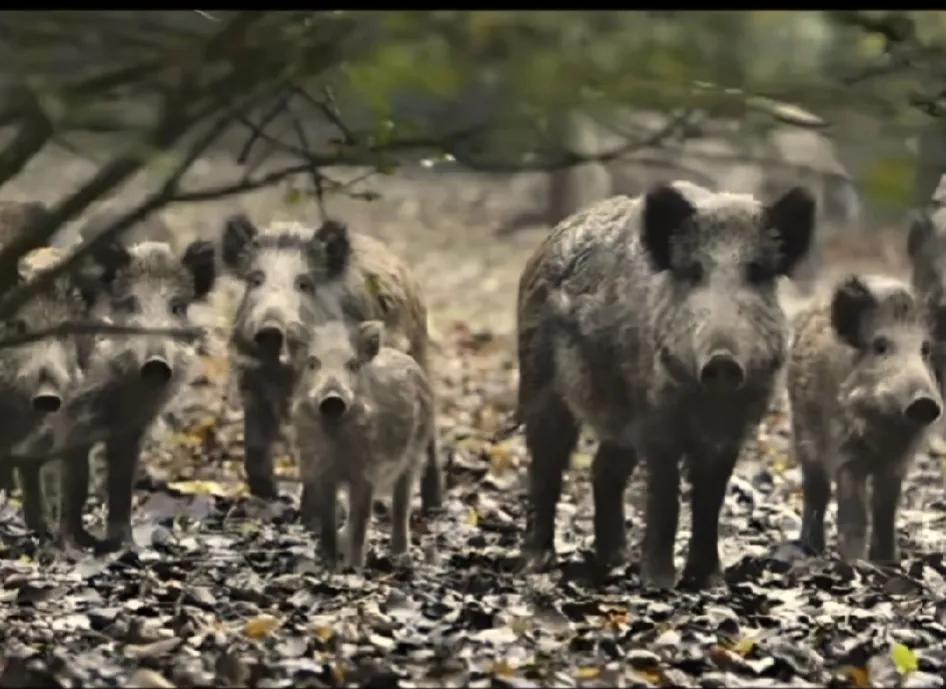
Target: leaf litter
(224, 589)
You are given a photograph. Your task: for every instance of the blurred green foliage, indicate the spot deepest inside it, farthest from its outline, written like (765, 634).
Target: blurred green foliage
(508, 80)
(535, 66)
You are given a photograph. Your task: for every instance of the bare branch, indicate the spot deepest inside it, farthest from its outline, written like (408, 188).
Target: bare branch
(69, 328)
(329, 108)
(213, 193)
(33, 134)
(256, 130)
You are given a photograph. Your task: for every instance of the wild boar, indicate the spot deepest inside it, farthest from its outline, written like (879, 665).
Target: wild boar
(38, 378)
(294, 277)
(654, 321)
(362, 417)
(863, 395)
(131, 378)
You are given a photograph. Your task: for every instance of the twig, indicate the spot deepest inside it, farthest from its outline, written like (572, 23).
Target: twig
(329, 108)
(213, 193)
(256, 130)
(31, 137)
(313, 169)
(97, 328)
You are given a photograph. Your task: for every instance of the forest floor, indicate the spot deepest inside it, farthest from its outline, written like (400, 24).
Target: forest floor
(223, 589)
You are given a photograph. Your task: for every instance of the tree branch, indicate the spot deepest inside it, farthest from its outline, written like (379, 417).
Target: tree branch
(69, 328)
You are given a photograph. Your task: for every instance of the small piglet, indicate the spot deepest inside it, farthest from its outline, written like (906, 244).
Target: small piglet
(863, 397)
(362, 416)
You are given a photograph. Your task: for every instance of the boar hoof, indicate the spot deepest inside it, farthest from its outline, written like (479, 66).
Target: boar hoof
(697, 580)
(609, 558)
(115, 542)
(401, 560)
(884, 556)
(535, 561)
(661, 578)
(80, 539)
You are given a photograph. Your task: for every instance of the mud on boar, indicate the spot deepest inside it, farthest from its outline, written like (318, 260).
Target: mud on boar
(296, 276)
(362, 417)
(130, 378)
(655, 322)
(863, 397)
(38, 378)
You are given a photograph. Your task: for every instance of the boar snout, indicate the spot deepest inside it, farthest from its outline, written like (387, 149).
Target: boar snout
(333, 406)
(922, 410)
(269, 339)
(722, 372)
(47, 400)
(156, 370)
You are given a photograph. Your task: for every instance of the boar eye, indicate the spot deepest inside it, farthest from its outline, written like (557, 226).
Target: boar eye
(352, 365)
(127, 304)
(757, 273)
(313, 363)
(304, 284)
(926, 349)
(18, 326)
(256, 278)
(880, 345)
(692, 272)
(178, 307)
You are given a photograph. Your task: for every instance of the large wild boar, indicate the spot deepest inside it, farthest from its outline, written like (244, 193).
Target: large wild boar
(655, 321)
(362, 417)
(130, 378)
(296, 276)
(863, 396)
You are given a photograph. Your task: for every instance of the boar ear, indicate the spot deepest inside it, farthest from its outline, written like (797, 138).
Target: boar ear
(199, 260)
(665, 212)
(792, 218)
(921, 230)
(851, 302)
(110, 257)
(334, 246)
(369, 339)
(238, 231)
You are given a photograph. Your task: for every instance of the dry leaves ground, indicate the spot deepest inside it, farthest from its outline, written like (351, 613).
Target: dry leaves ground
(225, 590)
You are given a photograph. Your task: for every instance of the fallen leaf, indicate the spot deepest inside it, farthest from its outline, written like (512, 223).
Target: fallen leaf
(219, 490)
(260, 626)
(588, 673)
(904, 658)
(148, 679)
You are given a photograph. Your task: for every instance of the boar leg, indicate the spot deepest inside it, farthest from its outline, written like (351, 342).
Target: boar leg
(431, 485)
(662, 514)
(816, 483)
(73, 492)
(359, 513)
(324, 493)
(551, 435)
(121, 454)
(6, 477)
(885, 497)
(613, 466)
(260, 428)
(33, 501)
(709, 478)
(816, 486)
(852, 513)
(400, 514)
